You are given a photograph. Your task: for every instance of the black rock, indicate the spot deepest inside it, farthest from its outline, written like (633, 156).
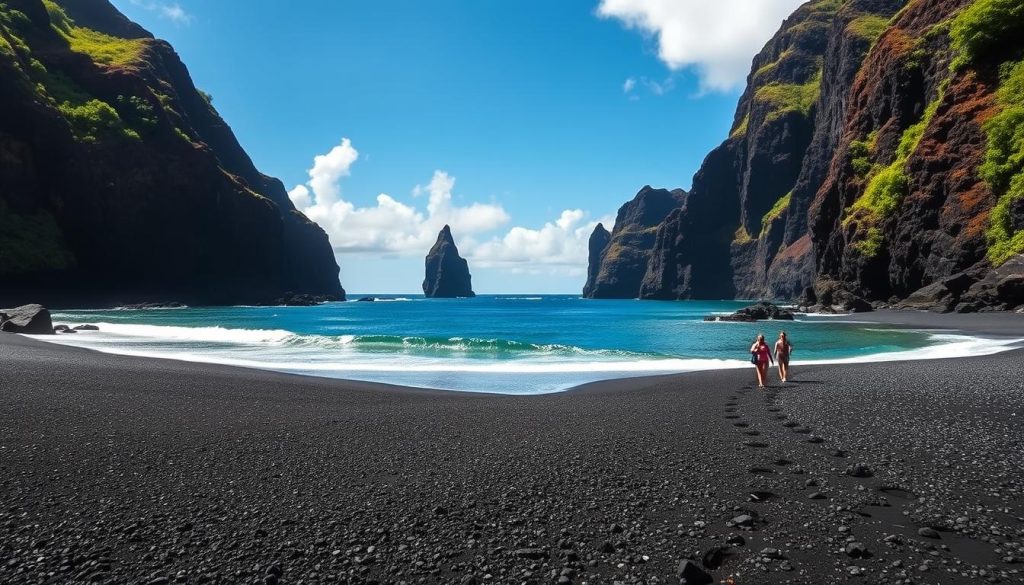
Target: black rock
(606, 547)
(859, 470)
(928, 532)
(736, 540)
(690, 574)
(86, 327)
(29, 319)
(367, 300)
(531, 553)
(743, 520)
(599, 239)
(714, 557)
(142, 306)
(857, 550)
(291, 299)
(757, 312)
(447, 273)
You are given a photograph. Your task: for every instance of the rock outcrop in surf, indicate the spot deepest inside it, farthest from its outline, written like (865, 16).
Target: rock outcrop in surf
(447, 273)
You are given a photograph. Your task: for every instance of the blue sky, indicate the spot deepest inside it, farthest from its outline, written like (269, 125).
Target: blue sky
(521, 122)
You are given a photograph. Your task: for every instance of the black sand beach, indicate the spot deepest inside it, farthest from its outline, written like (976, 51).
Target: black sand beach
(124, 470)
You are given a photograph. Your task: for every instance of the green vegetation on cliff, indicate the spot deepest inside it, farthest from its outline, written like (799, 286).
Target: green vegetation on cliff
(985, 27)
(868, 26)
(30, 242)
(775, 212)
(1003, 168)
(783, 98)
(100, 47)
(741, 130)
(887, 186)
(861, 152)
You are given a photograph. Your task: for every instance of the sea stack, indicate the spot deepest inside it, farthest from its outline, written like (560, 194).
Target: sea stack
(598, 242)
(447, 273)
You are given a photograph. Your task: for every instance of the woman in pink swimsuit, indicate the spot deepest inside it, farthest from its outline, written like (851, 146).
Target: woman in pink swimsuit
(762, 356)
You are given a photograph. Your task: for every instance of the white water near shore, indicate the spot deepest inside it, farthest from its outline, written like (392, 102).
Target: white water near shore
(457, 363)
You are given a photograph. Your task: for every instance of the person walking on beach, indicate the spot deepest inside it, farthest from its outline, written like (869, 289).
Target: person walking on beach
(761, 355)
(782, 350)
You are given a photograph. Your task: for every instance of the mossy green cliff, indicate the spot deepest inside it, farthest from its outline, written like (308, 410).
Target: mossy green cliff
(119, 182)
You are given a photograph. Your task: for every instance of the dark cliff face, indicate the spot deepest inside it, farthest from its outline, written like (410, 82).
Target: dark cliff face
(906, 202)
(733, 237)
(121, 183)
(623, 261)
(598, 242)
(447, 273)
(870, 157)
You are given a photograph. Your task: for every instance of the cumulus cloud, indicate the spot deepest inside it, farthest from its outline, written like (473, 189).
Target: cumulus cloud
(390, 226)
(628, 85)
(716, 39)
(558, 247)
(170, 10)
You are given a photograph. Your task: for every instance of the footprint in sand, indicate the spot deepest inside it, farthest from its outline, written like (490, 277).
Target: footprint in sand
(755, 444)
(751, 433)
(790, 424)
(741, 424)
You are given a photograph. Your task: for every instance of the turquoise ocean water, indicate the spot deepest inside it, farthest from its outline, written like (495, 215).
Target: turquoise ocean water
(507, 344)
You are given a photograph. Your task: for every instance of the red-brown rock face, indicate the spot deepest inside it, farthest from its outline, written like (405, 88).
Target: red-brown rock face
(853, 164)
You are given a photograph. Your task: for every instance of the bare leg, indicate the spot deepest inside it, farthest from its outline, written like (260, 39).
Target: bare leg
(761, 374)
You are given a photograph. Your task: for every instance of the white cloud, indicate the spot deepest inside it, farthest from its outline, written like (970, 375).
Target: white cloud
(558, 247)
(390, 226)
(718, 39)
(628, 85)
(170, 10)
(393, 228)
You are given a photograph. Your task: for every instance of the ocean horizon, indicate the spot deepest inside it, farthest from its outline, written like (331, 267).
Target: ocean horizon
(505, 344)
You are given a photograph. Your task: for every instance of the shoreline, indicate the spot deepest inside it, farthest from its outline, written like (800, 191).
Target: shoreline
(983, 334)
(243, 473)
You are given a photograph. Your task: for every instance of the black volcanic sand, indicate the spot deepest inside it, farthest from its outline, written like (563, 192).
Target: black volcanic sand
(115, 469)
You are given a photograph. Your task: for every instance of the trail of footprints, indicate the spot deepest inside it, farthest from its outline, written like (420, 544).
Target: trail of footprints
(753, 439)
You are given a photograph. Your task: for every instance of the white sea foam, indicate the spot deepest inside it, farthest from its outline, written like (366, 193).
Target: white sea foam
(186, 334)
(345, 356)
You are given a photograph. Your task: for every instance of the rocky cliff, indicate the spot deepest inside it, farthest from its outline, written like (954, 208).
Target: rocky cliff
(876, 151)
(119, 182)
(622, 263)
(599, 239)
(447, 273)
